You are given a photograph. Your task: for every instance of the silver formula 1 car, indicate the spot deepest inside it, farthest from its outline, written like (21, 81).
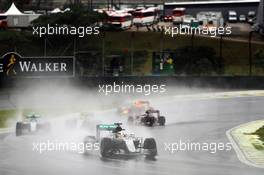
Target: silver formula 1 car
(116, 142)
(31, 124)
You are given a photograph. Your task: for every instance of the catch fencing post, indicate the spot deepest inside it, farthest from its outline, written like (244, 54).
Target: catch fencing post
(221, 53)
(132, 52)
(103, 54)
(45, 46)
(250, 52)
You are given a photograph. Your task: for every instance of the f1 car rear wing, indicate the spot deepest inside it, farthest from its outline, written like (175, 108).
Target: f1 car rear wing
(153, 111)
(105, 127)
(32, 116)
(141, 102)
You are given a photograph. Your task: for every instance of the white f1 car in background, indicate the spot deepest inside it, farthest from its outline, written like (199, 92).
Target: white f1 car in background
(117, 142)
(32, 124)
(83, 121)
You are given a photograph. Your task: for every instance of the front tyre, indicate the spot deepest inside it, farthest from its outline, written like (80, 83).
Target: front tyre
(106, 147)
(161, 120)
(151, 147)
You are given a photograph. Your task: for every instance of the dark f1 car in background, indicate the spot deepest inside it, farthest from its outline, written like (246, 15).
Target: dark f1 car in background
(137, 108)
(115, 142)
(150, 118)
(32, 124)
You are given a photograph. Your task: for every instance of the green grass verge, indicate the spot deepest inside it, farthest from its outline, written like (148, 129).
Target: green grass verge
(14, 114)
(235, 53)
(260, 134)
(6, 115)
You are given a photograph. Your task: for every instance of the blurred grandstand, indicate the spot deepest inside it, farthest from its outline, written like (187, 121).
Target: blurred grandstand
(49, 4)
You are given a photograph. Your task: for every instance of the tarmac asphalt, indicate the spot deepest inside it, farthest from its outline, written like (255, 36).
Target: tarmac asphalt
(200, 120)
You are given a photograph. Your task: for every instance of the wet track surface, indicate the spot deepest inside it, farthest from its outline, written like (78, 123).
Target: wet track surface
(193, 121)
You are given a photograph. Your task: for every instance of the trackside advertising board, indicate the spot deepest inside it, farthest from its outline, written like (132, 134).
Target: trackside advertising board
(14, 65)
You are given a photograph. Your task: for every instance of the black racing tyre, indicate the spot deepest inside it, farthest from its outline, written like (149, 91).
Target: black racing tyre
(137, 144)
(161, 120)
(19, 128)
(142, 120)
(149, 121)
(151, 146)
(106, 147)
(152, 121)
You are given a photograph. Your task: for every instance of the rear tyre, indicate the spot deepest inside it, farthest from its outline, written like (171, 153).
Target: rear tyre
(106, 147)
(151, 146)
(149, 121)
(19, 128)
(161, 120)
